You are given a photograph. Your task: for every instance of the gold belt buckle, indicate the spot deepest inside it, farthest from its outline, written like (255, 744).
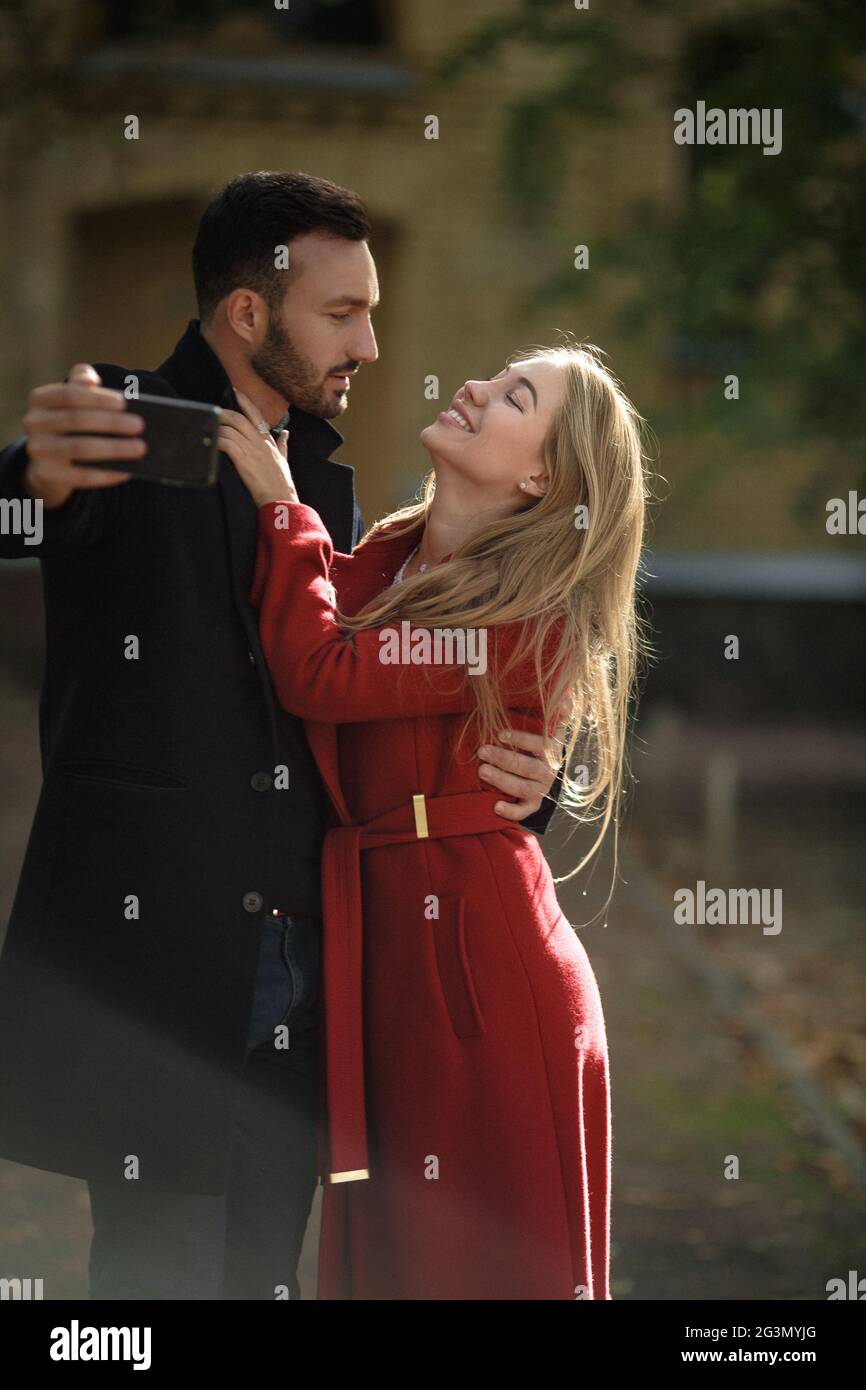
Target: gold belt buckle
(419, 806)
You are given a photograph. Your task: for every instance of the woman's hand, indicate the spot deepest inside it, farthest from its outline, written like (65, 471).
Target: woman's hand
(263, 465)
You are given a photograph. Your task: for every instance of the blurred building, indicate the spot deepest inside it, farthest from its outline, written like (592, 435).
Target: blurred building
(97, 231)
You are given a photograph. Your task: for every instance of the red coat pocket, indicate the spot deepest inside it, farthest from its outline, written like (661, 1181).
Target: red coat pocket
(455, 971)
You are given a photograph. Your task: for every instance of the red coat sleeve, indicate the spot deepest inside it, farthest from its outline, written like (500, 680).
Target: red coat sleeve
(321, 673)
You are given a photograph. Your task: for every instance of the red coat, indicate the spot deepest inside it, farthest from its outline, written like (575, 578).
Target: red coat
(466, 1151)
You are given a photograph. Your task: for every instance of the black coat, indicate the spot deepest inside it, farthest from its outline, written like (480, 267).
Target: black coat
(120, 1034)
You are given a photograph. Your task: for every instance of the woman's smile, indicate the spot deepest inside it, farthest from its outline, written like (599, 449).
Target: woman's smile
(453, 417)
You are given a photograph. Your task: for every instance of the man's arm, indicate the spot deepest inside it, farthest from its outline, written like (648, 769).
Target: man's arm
(358, 527)
(540, 820)
(78, 504)
(517, 767)
(60, 530)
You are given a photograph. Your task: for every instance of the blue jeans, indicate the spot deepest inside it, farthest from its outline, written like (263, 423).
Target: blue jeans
(245, 1243)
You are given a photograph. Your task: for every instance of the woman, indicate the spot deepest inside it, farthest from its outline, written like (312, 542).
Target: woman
(467, 1148)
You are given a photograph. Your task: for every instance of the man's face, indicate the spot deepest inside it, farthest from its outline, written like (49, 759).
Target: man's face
(323, 331)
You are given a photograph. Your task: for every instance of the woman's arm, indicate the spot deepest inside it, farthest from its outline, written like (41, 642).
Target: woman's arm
(520, 770)
(321, 673)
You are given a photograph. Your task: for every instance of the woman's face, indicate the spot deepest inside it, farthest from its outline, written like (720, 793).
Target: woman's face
(492, 432)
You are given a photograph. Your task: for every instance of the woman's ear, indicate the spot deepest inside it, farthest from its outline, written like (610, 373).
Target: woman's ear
(535, 486)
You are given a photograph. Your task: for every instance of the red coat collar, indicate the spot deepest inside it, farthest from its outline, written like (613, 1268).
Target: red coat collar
(369, 569)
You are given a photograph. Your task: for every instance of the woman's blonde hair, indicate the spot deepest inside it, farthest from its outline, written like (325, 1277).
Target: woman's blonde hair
(565, 567)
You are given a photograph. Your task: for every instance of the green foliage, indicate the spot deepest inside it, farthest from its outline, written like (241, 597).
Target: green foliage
(760, 264)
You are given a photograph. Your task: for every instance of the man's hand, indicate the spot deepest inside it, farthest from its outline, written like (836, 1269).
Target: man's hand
(526, 775)
(57, 425)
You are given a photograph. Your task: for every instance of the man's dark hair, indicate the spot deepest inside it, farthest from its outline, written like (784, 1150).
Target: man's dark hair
(240, 229)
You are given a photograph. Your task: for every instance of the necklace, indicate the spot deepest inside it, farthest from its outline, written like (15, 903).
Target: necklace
(399, 576)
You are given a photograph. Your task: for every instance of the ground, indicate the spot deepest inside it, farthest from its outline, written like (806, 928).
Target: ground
(691, 1087)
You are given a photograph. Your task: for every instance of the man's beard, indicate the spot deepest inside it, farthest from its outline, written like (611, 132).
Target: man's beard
(292, 375)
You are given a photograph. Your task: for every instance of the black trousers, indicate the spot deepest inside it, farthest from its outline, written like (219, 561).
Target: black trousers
(246, 1243)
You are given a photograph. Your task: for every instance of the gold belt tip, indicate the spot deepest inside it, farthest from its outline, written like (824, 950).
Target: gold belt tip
(350, 1175)
(419, 806)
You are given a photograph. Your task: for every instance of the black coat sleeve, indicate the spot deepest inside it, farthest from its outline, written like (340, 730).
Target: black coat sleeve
(86, 516)
(358, 527)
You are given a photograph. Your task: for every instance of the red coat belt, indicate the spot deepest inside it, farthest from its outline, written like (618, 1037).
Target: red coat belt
(469, 813)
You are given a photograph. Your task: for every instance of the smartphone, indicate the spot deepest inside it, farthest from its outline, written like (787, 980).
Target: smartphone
(181, 439)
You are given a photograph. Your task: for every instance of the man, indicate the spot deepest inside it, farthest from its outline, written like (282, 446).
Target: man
(167, 917)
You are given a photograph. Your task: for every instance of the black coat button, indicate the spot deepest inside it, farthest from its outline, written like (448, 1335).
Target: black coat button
(253, 902)
(252, 656)
(261, 781)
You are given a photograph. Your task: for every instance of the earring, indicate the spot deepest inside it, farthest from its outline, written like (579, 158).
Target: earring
(523, 484)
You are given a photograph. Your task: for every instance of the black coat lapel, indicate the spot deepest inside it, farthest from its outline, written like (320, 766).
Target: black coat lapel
(196, 373)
